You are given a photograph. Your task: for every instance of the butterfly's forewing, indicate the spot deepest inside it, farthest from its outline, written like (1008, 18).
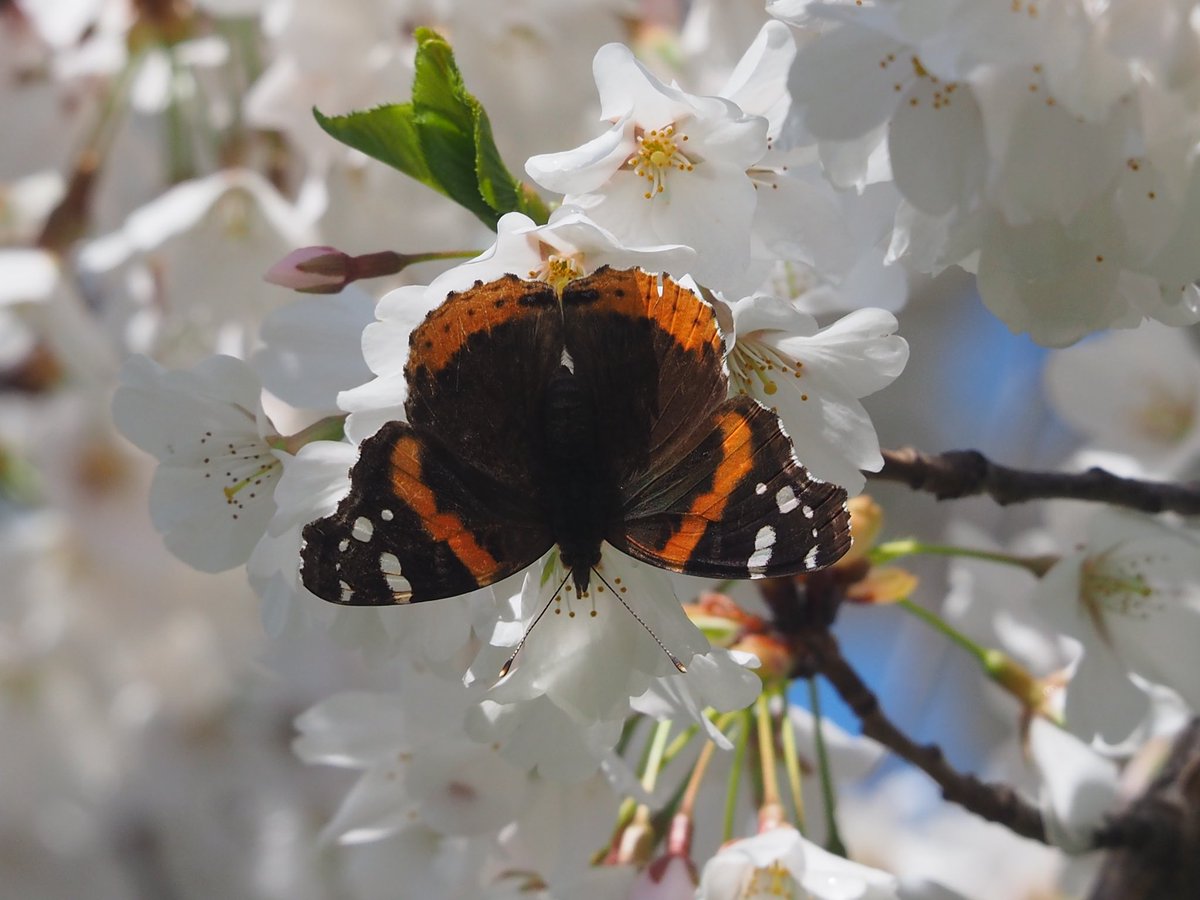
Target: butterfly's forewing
(417, 525)
(737, 506)
(649, 355)
(477, 372)
(450, 501)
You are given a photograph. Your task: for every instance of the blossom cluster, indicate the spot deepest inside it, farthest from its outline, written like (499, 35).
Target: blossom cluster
(801, 167)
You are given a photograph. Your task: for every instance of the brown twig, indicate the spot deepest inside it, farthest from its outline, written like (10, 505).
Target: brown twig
(966, 473)
(804, 620)
(994, 802)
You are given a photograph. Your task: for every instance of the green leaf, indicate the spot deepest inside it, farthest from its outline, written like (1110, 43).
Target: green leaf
(443, 138)
(386, 133)
(446, 114)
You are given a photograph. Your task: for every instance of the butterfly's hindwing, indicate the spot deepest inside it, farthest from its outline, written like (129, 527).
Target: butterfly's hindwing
(737, 506)
(413, 529)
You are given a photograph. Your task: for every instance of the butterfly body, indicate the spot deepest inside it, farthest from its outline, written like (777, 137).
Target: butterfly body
(535, 420)
(579, 487)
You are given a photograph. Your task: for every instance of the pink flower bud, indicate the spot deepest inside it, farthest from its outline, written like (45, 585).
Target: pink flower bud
(667, 878)
(312, 270)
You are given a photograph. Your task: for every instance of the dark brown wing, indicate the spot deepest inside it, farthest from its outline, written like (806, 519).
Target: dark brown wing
(477, 373)
(738, 505)
(648, 353)
(450, 501)
(417, 525)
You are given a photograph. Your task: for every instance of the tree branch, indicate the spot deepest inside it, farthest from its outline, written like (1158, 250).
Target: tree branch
(1156, 840)
(994, 802)
(966, 473)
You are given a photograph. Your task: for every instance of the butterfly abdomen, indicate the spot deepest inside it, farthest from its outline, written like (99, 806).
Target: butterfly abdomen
(581, 493)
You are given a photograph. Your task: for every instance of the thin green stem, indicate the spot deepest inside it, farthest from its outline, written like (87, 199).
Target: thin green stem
(181, 161)
(943, 627)
(791, 765)
(833, 843)
(735, 774)
(654, 759)
(330, 428)
(679, 743)
(996, 664)
(893, 550)
(766, 750)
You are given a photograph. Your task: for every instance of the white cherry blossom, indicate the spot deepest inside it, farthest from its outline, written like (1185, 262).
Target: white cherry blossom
(570, 245)
(212, 495)
(813, 378)
(1079, 786)
(417, 768)
(781, 863)
(1030, 144)
(1131, 597)
(1132, 392)
(671, 169)
(561, 705)
(189, 265)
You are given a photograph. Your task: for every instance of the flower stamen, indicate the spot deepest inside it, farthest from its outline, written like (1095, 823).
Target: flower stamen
(770, 881)
(658, 152)
(558, 271)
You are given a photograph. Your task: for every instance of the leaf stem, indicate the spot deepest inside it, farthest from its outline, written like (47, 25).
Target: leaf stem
(654, 758)
(791, 765)
(766, 750)
(940, 625)
(735, 774)
(833, 842)
(893, 550)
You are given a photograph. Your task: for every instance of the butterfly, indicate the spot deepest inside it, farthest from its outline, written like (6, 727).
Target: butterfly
(539, 418)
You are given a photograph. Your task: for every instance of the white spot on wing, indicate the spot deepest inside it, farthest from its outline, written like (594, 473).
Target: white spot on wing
(363, 529)
(387, 515)
(760, 488)
(810, 558)
(400, 586)
(347, 592)
(344, 544)
(785, 499)
(807, 510)
(763, 542)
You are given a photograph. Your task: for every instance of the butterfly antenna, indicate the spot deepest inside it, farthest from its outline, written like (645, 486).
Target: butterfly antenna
(671, 656)
(507, 667)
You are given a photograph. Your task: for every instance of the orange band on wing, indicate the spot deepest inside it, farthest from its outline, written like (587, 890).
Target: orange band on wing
(441, 526)
(737, 458)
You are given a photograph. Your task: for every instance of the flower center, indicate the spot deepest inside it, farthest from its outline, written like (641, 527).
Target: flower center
(245, 465)
(1114, 585)
(557, 271)
(658, 152)
(771, 882)
(756, 361)
(1167, 416)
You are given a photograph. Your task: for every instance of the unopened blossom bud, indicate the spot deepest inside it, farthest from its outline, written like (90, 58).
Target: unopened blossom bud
(866, 521)
(673, 875)
(667, 878)
(774, 657)
(1035, 694)
(883, 584)
(312, 270)
(721, 619)
(636, 843)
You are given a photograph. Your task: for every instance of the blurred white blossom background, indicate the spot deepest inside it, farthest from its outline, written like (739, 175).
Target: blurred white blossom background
(972, 223)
